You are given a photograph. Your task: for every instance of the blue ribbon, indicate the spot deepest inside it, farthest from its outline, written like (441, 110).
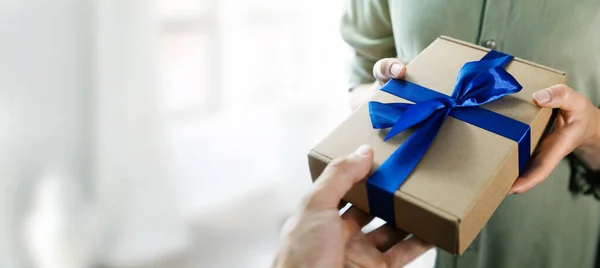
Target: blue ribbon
(478, 83)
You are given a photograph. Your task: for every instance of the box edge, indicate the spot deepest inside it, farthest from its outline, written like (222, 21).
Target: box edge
(458, 41)
(441, 214)
(317, 163)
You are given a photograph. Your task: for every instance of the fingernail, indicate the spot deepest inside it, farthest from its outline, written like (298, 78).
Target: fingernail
(363, 150)
(511, 192)
(542, 96)
(396, 69)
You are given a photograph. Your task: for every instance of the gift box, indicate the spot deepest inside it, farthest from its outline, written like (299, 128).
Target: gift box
(449, 139)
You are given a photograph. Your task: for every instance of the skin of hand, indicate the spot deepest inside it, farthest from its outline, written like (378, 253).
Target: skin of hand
(316, 236)
(577, 130)
(383, 70)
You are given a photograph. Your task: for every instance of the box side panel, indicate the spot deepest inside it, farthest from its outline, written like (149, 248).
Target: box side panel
(426, 222)
(538, 126)
(489, 199)
(316, 164)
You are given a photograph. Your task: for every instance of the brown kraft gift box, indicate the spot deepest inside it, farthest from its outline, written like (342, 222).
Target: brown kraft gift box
(467, 171)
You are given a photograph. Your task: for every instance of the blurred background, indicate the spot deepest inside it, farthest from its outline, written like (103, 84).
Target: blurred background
(164, 133)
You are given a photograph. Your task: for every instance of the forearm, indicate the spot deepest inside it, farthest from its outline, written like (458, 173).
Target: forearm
(589, 151)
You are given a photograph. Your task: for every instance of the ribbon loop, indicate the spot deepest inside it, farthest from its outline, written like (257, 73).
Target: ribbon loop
(478, 82)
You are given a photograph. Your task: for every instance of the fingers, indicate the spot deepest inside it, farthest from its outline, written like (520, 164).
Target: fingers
(388, 68)
(338, 177)
(360, 253)
(562, 97)
(558, 144)
(386, 236)
(355, 219)
(405, 252)
(552, 150)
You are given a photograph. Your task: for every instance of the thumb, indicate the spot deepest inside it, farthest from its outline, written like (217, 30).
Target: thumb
(388, 68)
(560, 96)
(339, 176)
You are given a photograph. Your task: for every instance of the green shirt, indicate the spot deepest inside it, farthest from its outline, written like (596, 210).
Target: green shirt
(561, 34)
(548, 226)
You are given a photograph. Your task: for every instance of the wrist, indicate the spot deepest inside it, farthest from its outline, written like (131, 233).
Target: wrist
(596, 136)
(589, 150)
(593, 141)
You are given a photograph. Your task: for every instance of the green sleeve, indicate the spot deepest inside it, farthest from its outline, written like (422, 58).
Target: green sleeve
(367, 28)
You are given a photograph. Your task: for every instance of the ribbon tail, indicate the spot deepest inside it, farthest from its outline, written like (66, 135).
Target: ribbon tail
(384, 115)
(386, 180)
(486, 80)
(414, 115)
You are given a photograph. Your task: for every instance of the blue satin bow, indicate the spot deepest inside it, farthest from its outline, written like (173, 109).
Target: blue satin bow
(478, 83)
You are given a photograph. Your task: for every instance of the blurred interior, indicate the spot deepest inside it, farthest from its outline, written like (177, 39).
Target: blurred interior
(165, 133)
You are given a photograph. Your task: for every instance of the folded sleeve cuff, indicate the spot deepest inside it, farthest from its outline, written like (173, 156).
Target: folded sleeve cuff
(366, 28)
(583, 180)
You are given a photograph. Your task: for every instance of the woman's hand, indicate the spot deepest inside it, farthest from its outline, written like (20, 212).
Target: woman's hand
(577, 129)
(316, 236)
(383, 70)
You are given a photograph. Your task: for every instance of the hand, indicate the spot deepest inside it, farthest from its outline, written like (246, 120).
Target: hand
(383, 70)
(577, 128)
(316, 236)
